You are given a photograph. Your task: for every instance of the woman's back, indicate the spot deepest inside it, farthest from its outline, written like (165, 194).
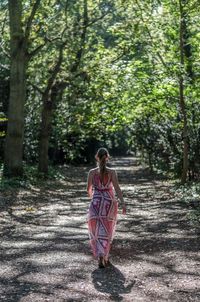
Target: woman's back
(100, 181)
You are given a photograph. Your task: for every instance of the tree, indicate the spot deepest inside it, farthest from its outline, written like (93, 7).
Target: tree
(19, 39)
(116, 72)
(181, 91)
(48, 98)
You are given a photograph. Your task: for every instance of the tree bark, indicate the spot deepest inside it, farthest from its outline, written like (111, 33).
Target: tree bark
(185, 132)
(14, 139)
(182, 98)
(47, 109)
(13, 152)
(44, 134)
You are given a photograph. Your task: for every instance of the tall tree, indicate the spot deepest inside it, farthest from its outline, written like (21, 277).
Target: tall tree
(48, 101)
(182, 31)
(13, 163)
(49, 95)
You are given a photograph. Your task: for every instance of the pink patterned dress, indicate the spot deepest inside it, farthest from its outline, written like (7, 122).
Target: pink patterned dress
(102, 216)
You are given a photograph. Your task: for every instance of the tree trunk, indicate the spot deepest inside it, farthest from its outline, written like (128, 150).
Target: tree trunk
(44, 134)
(47, 109)
(150, 161)
(187, 47)
(185, 133)
(182, 98)
(49, 96)
(14, 139)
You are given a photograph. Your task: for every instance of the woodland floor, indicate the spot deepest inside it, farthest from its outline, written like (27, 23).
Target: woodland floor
(44, 243)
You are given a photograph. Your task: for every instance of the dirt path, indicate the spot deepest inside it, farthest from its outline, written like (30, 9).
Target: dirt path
(45, 254)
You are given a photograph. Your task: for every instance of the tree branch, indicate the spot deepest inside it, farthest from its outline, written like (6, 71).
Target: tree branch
(99, 18)
(30, 19)
(39, 47)
(36, 88)
(151, 37)
(35, 51)
(124, 52)
(55, 70)
(79, 53)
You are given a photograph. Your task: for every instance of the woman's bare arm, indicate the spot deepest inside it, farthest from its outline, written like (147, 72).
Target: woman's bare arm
(117, 187)
(89, 184)
(118, 191)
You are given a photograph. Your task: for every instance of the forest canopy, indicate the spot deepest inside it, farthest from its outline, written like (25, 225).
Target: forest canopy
(76, 75)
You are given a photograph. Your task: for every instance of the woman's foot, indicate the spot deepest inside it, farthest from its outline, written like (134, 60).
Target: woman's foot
(107, 263)
(101, 262)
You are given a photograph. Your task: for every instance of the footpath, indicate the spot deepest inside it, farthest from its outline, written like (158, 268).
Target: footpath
(45, 255)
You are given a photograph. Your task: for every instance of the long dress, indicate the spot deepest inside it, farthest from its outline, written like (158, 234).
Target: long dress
(102, 216)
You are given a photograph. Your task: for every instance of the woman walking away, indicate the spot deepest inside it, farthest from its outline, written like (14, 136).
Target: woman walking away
(102, 214)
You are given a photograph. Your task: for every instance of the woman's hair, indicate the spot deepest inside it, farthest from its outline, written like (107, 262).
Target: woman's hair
(102, 156)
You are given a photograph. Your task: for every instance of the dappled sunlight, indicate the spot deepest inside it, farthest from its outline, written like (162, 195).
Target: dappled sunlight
(46, 253)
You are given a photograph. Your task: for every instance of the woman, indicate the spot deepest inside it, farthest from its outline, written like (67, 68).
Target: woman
(103, 207)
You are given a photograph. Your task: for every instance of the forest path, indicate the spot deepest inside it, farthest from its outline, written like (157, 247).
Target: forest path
(44, 243)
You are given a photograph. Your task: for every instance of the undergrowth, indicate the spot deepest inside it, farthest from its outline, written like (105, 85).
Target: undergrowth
(30, 178)
(189, 196)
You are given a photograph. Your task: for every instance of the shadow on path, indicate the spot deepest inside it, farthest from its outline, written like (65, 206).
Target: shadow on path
(111, 281)
(45, 254)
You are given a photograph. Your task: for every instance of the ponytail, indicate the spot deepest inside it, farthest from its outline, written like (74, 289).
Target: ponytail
(102, 157)
(102, 166)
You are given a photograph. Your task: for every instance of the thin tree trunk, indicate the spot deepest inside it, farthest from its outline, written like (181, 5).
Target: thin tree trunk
(14, 139)
(185, 133)
(44, 134)
(48, 102)
(150, 161)
(47, 109)
(182, 99)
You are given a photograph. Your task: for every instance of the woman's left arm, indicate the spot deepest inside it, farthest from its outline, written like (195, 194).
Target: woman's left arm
(89, 184)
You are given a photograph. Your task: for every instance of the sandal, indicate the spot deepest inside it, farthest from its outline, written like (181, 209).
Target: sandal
(101, 262)
(107, 263)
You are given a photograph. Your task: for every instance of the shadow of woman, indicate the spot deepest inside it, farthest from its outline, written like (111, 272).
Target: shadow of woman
(110, 280)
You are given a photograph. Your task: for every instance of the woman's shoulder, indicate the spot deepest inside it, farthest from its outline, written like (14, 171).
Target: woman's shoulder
(93, 170)
(111, 170)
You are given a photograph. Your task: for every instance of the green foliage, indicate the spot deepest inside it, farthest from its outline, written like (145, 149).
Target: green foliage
(118, 84)
(30, 178)
(189, 195)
